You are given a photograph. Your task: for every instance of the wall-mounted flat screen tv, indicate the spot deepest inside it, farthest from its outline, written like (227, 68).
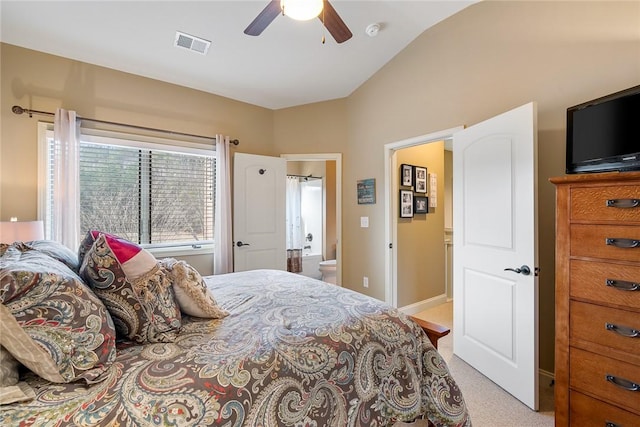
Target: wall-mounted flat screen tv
(604, 134)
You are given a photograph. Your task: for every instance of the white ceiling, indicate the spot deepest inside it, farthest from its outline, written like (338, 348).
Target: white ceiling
(287, 65)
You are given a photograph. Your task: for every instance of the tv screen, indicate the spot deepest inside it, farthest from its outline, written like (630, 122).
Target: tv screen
(604, 134)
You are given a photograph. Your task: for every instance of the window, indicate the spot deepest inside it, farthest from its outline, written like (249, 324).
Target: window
(158, 194)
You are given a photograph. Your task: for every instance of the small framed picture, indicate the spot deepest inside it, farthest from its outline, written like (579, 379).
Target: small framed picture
(420, 184)
(406, 175)
(367, 191)
(406, 204)
(420, 204)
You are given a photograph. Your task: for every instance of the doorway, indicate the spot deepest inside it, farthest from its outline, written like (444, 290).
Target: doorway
(331, 235)
(391, 218)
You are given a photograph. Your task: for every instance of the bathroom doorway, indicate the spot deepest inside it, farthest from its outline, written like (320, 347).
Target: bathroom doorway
(305, 218)
(319, 174)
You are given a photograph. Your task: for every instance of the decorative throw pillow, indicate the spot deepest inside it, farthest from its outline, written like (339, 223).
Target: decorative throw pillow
(192, 294)
(135, 290)
(51, 322)
(86, 244)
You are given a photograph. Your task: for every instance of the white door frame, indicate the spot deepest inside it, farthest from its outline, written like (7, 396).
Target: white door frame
(391, 205)
(337, 157)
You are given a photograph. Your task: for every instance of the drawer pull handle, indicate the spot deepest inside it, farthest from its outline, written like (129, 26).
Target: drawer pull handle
(622, 383)
(623, 285)
(623, 203)
(625, 331)
(610, 424)
(622, 243)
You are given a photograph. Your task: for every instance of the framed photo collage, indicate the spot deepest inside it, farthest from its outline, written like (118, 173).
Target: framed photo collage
(413, 200)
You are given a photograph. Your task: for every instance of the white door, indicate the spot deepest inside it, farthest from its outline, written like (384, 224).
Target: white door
(495, 326)
(259, 212)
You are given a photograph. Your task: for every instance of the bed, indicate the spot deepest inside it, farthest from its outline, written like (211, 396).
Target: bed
(280, 350)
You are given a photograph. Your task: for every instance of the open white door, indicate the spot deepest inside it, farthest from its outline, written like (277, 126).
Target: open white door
(495, 326)
(259, 212)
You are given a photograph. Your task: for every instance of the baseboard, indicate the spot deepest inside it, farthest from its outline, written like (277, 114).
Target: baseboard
(547, 374)
(426, 304)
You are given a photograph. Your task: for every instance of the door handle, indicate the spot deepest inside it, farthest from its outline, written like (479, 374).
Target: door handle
(240, 244)
(524, 270)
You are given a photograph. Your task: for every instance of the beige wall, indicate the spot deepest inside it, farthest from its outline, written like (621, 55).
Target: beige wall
(313, 128)
(330, 210)
(489, 58)
(420, 240)
(448, 189)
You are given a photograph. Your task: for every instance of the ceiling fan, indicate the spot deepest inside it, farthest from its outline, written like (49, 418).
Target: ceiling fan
(327, 15)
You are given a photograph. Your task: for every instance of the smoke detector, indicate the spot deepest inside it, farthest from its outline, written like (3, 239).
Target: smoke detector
(187, 41)
(372, 29)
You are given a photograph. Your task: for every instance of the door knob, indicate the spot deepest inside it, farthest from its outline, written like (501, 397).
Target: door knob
(240, 244)
(524, 270)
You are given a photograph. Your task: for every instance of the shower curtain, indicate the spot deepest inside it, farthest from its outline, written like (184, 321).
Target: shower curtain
(294, 226)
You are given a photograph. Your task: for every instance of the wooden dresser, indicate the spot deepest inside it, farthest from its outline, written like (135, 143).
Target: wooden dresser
(597, 350)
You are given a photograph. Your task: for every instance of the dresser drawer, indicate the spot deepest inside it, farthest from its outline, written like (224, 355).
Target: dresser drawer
(588, 412)
(605, 203)
(605, 326)
(589, 281)
(591, 241)
(588, 373)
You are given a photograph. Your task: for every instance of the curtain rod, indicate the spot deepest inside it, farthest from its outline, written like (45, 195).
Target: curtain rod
(19, 110)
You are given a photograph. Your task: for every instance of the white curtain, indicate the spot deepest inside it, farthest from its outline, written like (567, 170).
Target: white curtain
(65, 212)
(223, 253)
(294, 215)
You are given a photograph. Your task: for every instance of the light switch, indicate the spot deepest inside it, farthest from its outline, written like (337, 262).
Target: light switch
(364, 221)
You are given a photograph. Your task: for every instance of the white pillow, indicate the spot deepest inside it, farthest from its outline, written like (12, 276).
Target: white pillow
(192, 294)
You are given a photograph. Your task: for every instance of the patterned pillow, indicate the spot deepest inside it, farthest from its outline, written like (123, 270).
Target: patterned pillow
(86, 244)
(135, 290)
(51, 322)
(192, 294)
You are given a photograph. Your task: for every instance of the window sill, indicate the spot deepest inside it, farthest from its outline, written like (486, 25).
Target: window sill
(174, 251)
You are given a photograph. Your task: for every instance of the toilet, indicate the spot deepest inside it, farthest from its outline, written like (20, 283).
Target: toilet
(328, 270)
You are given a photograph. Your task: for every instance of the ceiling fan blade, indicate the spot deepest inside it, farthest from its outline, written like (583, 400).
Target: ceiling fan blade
(264, 18)
(334, 24)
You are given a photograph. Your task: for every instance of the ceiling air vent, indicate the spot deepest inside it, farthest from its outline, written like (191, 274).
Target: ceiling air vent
(193, 43)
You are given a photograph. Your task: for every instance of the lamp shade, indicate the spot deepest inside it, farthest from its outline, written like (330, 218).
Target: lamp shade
(301, 10)
(21, 231)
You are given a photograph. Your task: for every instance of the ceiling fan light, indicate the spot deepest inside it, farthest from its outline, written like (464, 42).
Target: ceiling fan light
(301, 10)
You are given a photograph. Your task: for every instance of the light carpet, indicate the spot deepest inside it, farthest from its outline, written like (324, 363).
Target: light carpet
(489, 405)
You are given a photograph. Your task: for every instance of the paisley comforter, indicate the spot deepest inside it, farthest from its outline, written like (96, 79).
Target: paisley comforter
(293, 352)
